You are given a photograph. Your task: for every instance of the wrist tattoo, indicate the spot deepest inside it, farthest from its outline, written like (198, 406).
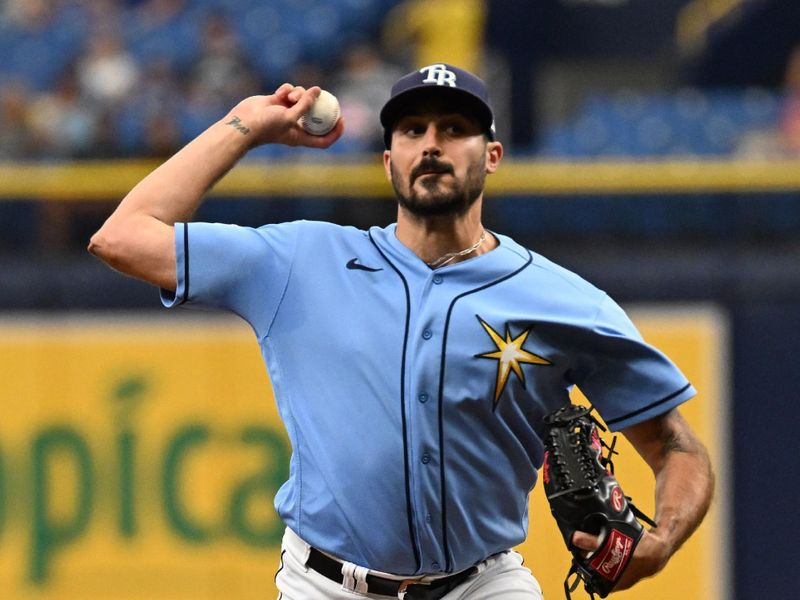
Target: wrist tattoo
(236, 123)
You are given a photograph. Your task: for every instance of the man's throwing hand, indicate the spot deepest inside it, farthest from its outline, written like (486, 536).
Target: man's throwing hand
(275, 119)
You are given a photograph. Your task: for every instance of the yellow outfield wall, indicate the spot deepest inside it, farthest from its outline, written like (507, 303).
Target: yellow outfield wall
(364, 177)
(139, 459)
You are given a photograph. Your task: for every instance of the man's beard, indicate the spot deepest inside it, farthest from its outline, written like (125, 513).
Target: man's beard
(453, 200)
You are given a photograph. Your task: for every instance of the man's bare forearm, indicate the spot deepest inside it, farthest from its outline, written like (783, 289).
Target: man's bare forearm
(684, 486)
(175, 190)
(684, 489)
(138, 238)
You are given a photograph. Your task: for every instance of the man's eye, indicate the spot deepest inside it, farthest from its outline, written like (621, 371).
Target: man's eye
(454, 129)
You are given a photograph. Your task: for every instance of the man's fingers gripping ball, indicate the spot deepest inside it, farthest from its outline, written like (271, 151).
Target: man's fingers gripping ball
(321, 118)
(282, 94)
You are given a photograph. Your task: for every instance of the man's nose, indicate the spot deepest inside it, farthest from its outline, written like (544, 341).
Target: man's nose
(431, 143)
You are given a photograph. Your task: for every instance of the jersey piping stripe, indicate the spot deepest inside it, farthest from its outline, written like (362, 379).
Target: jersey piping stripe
(649, 406)
(185, 264)
(409, 506)
(445, 544)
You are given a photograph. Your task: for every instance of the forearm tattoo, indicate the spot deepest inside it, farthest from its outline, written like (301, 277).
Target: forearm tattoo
(678, 438)
(236, 123)
(675, 442)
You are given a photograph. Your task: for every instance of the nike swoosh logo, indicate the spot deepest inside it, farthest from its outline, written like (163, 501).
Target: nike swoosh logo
(353, 264)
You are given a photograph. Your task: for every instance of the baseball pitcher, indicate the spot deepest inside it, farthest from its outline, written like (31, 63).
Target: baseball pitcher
(418, 367)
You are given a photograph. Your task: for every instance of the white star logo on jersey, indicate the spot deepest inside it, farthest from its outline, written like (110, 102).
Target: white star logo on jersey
(509, 356)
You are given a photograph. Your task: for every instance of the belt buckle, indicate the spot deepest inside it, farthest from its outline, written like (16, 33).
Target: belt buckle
(401, 591)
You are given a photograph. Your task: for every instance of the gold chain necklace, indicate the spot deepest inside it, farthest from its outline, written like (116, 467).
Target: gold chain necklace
(450, 256)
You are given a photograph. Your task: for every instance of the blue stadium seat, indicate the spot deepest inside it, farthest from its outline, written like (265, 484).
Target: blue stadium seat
(661, 124)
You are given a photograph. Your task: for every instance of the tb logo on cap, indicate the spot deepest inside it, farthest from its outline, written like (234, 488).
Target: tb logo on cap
(439, 74)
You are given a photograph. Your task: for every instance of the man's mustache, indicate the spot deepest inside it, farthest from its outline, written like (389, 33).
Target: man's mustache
(430, 165)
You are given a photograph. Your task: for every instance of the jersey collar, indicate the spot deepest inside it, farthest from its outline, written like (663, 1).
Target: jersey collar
(508, 256)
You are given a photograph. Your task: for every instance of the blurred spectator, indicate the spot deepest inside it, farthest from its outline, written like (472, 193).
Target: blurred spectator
(154, 14)
(221, 76)
(107, 72)
(30, 14)
(14, 138)
(222, 73)
(362, 87)
(105, 15)
(106, 143)
(62, 123)
(162, 136)
(149, 123)
(159, 88)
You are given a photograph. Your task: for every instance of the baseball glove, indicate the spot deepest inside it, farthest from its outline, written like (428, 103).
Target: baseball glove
(584, 496)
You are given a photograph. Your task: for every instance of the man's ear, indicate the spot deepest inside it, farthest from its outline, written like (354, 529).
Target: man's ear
(387, 163)
(494, 154)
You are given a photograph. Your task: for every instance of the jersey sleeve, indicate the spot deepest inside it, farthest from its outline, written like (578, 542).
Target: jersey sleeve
(228, 267)
(625, 378)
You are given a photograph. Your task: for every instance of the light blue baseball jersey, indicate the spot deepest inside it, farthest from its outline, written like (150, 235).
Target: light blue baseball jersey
(413, 398)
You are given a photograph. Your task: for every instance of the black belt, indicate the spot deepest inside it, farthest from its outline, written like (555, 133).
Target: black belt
(332, 569)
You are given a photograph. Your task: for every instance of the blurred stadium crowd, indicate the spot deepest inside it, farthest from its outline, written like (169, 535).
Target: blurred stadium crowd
(139, 78)
(122, 78)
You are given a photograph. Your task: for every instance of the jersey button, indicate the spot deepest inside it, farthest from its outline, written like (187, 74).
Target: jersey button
(423, 397)
(435, 566)
(437, 279)
(426, 458)
(427, 334)
(429, 518)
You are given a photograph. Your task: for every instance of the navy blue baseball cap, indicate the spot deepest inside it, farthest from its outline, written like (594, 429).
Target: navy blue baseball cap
(467, 92)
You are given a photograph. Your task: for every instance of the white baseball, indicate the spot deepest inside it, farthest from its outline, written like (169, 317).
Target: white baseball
(322, 116)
